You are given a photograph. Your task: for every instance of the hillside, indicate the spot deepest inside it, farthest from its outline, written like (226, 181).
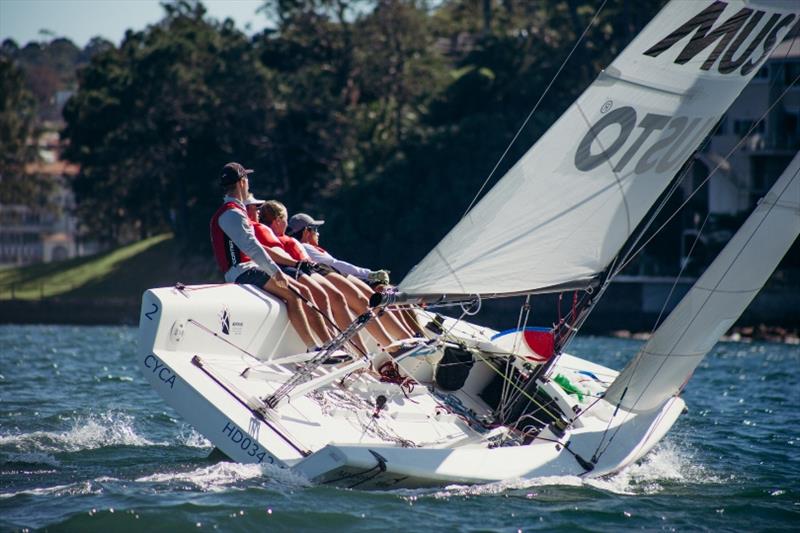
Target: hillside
(121, 274)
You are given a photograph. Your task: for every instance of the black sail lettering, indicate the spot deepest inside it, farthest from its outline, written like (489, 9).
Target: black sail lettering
(649, 159)
(728, 64)
(650, 123)
(727, 31)
(768, 45)
(625, 117)
(701, 22)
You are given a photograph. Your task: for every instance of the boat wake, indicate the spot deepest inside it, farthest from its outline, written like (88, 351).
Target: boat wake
(223, 476)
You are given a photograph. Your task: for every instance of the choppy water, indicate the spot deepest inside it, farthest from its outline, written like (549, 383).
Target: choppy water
(86, 445)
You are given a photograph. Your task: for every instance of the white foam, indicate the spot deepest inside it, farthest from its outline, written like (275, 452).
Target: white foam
(222, 476)
(87, 433)
(73, 489)
(193, 439)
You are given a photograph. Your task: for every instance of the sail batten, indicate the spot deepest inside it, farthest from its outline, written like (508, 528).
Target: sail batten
(567, 207)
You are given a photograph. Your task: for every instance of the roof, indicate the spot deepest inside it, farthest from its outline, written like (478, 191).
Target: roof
(56, 168)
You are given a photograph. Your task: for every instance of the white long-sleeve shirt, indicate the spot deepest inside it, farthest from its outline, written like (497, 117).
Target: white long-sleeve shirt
(238, 228)
(318, 255)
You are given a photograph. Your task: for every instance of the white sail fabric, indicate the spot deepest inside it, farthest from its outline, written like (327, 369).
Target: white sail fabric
(566, 208)
(714, 303)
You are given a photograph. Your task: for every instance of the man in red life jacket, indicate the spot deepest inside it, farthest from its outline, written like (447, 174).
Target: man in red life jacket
(242, 260)
(325, 296)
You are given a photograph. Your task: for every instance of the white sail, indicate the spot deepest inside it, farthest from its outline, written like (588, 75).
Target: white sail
(714, 303)
(565, 209)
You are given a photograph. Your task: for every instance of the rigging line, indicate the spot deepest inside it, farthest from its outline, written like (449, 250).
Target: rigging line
(330, 322)
(514, 348)
(702, 306)
(697, 189)
(535, 107)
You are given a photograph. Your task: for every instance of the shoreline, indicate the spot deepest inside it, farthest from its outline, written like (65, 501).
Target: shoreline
(125, 312)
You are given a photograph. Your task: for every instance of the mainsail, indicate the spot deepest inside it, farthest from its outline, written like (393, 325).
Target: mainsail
(715, 302)
(565, 209)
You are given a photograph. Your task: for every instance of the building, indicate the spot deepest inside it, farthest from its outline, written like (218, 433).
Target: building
(757, 137)
(31, 235)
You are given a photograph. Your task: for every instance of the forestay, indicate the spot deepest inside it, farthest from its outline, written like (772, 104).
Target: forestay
(565, 209)
(714, 303)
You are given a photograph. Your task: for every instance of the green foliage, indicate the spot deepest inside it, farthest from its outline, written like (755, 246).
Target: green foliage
(155, 120)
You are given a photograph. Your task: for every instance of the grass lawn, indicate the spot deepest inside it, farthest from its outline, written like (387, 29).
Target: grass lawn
(124, 272)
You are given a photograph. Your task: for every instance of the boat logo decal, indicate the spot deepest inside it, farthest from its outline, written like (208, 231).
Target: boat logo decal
(160, 370)
(727, 37)
(227, 325)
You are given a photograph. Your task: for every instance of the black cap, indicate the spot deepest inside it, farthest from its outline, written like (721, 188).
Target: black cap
(233, 172)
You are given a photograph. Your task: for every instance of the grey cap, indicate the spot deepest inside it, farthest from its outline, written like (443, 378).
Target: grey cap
(301, 221)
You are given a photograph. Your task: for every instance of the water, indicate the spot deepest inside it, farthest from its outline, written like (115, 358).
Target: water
(86, 445)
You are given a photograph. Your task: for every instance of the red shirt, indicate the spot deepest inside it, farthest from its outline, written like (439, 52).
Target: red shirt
(293, 248)
(267, 237)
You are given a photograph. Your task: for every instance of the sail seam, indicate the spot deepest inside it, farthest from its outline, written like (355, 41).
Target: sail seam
(644, 85)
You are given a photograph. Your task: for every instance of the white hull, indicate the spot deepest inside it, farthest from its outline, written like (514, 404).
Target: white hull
(328, 432)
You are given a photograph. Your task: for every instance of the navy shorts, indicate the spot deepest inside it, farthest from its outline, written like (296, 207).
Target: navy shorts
(253, 276)
(292, 272)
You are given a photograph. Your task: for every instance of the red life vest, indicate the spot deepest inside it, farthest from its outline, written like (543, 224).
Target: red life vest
(266, 236)
(293, 248)
(226, 252)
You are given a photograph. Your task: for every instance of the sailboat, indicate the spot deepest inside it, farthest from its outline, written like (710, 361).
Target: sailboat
(468, 404)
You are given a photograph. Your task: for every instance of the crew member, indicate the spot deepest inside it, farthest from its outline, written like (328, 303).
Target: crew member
(242, 260)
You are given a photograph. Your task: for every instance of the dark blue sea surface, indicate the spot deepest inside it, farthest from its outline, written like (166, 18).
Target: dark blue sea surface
(87, 445)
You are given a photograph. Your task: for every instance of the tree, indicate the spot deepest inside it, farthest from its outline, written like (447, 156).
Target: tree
(17, 140)
(155, 119)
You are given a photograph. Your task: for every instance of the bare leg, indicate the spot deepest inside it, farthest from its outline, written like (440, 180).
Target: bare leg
(359, 303)
(296, 308)
(338, 305)
(392, 323)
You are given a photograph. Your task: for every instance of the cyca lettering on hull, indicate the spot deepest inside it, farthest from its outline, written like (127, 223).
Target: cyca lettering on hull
(160, 369)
